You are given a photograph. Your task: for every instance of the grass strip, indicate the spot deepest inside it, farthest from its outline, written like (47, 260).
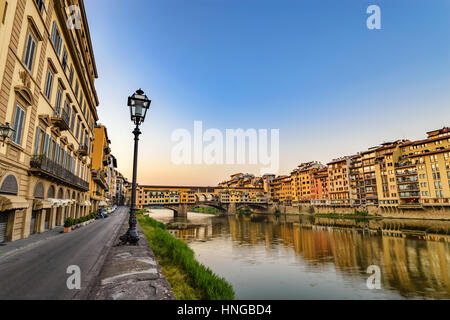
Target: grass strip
(189, 279)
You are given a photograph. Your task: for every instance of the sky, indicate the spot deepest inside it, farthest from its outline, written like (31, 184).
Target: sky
(311, 69)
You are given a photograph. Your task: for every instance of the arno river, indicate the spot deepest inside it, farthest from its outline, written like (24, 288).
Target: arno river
(301, 257)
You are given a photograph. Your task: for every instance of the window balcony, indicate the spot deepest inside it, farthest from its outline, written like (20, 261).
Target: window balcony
(42, 166)
(61, 120)
(83, 150)
(409, 195)
(99, 178)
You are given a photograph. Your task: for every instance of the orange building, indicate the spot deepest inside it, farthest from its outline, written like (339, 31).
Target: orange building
(319, 188)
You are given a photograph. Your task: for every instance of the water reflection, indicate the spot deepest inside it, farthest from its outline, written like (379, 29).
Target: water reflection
(305, 258)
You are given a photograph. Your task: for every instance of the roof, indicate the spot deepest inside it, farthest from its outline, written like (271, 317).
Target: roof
(430, 153)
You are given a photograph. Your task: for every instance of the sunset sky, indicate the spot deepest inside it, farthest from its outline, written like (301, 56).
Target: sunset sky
(311, 69)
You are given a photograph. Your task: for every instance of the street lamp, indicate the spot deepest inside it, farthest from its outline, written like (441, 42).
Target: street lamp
(6, 131)
(139, 104)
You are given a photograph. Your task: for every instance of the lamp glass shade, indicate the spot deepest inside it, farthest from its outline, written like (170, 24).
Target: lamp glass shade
(6, 131)
(139, 104)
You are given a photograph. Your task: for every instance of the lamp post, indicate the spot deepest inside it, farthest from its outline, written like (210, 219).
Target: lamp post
(139, 104)
(6, 131)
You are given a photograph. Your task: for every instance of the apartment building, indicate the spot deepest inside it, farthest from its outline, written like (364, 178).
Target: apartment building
(121, 183)
(48, 97)
(319, 188)
(339, 181)
(101, 159)
(241, 180)
(357, 184)
(301, 180)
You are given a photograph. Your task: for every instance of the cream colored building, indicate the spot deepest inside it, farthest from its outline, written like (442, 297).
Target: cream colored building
(47, 94)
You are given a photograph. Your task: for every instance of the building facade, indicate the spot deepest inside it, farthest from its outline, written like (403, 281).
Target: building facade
(100, 174)
(48, 97)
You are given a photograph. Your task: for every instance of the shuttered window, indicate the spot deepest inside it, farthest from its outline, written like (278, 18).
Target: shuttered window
(45, 148)
(64, 59)
(49, 84)
(37, 142)
(58, 102)
(56, 39)
(71, 76)
(19, 116)
(30, 50)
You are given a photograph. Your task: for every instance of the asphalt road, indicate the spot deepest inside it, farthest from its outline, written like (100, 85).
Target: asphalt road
(39, 272)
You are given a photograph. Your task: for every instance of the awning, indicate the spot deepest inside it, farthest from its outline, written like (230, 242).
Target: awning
(12, 203)
(102, 204)
(55, 202)
(39, 204)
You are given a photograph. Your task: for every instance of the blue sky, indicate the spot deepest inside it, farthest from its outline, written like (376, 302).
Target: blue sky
(309, 68)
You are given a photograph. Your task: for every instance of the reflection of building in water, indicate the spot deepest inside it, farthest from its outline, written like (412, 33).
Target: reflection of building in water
(408, 265)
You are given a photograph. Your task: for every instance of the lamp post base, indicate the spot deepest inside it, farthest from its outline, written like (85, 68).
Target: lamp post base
(131, 237)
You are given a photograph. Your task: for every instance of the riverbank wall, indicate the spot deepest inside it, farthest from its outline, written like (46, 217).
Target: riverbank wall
(431, 213)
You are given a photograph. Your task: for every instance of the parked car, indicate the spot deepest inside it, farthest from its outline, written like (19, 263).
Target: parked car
(102, 213)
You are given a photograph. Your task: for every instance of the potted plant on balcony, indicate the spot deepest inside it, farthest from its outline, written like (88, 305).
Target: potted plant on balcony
(68, 225)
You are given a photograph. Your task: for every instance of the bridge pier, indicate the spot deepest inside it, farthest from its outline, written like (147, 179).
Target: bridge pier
(182, 211)
(231, 208)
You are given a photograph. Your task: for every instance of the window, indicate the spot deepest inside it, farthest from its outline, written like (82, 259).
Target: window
(71, 76)
(49, 84)
(45, 147)
(78, 131)
(77, 87)
(58, 102)
(72, 122)
(19, 116)
(64, 60)
(56, 39)
(4, 12)
(38, 140)
(40, 4)
(30, 51)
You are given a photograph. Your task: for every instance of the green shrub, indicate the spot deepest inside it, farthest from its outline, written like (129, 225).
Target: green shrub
(68, 223)
(164, 244)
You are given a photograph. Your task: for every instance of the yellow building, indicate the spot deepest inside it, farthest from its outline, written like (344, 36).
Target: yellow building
(101, 160)
(282, 190)
(47, 94)
(339, 182)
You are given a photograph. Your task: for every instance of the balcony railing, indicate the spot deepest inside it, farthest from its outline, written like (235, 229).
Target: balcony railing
(407, 180)
(408, 195)
(61, 120)
(407, 173)
(83, 150)
(410, 187)
(44, 166)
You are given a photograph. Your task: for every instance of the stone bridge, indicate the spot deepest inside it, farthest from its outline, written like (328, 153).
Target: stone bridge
(182, 209)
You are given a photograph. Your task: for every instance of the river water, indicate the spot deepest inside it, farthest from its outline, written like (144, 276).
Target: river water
(301, 257)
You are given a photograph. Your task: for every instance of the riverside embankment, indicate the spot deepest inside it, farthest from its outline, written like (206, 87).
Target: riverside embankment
(189, 279)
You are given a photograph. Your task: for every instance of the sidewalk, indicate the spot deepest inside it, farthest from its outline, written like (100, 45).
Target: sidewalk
(10, 247)
(131, 273)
